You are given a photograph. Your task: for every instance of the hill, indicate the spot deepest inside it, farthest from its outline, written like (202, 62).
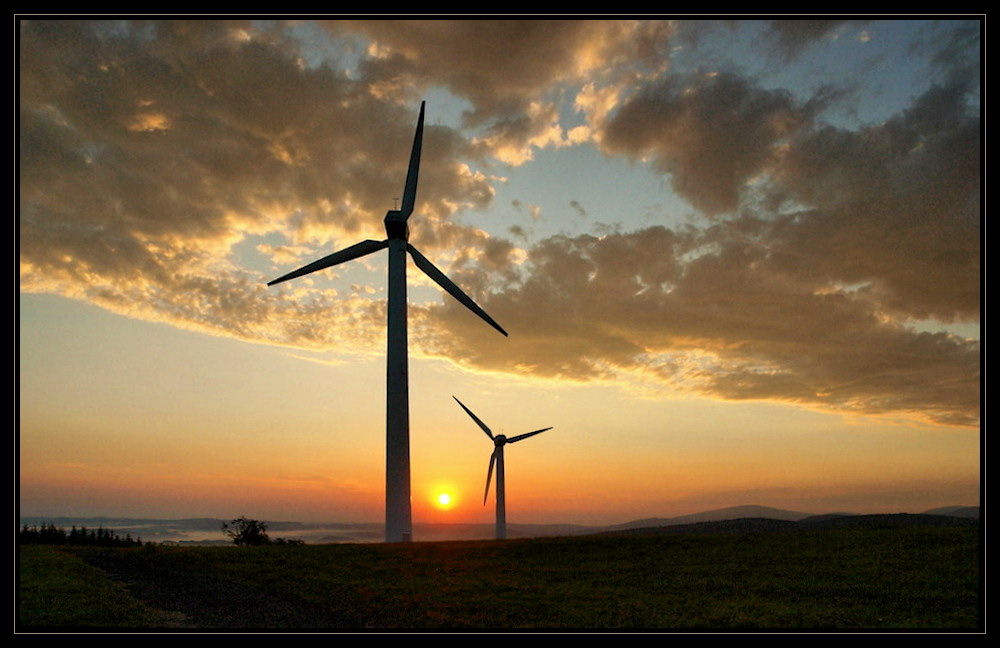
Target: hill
(729, 513)
(957, 511)
(812, 523)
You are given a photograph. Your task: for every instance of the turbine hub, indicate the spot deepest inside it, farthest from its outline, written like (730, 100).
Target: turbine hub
(499, 440)
(395, 225)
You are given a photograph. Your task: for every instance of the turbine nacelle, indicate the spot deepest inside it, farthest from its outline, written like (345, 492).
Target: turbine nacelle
(396, 226)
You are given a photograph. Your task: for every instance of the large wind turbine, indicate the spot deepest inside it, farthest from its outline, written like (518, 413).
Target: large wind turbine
(499, 441)
(398, 520)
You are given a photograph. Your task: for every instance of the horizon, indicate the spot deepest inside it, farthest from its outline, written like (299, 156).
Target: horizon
(737, 260)
(174, 531)
(488, 523)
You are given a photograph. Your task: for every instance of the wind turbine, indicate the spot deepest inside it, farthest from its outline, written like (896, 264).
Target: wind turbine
(398, 520)
(499, 441)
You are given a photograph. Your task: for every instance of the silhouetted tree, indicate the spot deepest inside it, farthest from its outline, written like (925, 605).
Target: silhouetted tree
(52, 535)
(247, 532)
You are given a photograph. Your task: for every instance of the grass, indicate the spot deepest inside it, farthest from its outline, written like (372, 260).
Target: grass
(58, 590)
(923, 578)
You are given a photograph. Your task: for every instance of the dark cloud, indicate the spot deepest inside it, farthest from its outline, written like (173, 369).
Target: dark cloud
(207, 124)
(518, 232)
(712, 134)
(793, 36)
(712, 313)
(846, 242)
(510, 70)
(895, 207)
(501, 65)
(780, 41)
(953, 49)
(149, 149)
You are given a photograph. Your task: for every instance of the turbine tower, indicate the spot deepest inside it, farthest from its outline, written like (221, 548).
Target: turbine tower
(499, 441)
(398, 519)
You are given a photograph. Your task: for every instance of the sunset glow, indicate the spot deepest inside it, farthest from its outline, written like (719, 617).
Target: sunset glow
(739, 262)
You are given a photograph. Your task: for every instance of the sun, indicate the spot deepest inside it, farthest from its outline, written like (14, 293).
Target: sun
(444, 495)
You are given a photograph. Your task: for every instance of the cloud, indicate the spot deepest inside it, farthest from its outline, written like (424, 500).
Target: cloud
(894, 207)
(712, 133)
(225, 138)
(954, 49)
(793, 36)
(710, 312)
(510, 71)
(514, 140)
(502, 64)
(150, 149)
(813, 294)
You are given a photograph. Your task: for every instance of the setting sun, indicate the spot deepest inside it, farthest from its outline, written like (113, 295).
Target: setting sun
(443, 500)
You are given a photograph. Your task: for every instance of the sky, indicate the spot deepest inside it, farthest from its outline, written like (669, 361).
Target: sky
(739, 262)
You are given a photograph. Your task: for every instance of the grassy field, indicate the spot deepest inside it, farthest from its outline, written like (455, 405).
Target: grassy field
(922, 578)
(58, 590)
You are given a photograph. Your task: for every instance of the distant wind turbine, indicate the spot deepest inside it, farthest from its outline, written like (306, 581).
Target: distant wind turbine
(499, 441)
(398, 519)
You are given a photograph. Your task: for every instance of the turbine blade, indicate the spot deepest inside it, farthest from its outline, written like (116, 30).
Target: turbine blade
(525, 436)
(347, 254)
(431, 271)
(410, 190)
(489, 475)
(475, 418)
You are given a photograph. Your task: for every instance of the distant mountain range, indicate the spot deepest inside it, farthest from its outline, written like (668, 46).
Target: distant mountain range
(779, 515)
(730, 513)
(812, 523)
(957, 511)
(735, 519)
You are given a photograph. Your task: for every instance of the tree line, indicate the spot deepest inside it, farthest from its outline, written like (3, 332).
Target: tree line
(242, 531)
(49, 534)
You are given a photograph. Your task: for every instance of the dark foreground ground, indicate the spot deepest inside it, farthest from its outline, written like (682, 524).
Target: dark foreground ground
(860, 578)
